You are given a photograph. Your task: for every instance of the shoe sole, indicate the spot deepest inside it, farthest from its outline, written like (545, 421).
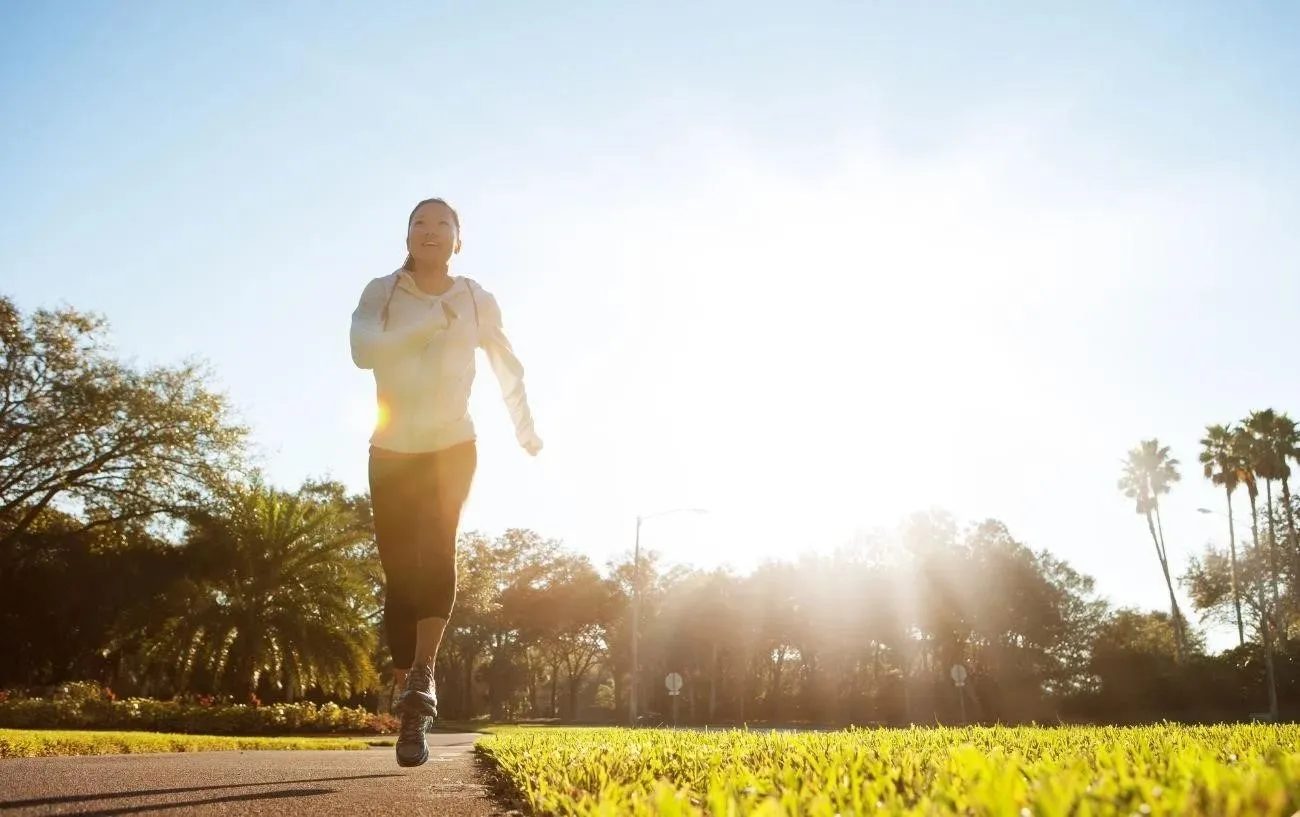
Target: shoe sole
(424, 750)
(420, 761)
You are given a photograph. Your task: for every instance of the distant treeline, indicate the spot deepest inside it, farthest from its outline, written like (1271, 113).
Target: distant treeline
(141, 551)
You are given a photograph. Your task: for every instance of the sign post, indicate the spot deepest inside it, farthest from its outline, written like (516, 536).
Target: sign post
(673, 682)
(958, 673)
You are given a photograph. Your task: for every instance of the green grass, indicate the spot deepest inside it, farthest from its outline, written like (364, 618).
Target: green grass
(482, 726)
(53, 743)
(487, 727)
(1191, 771)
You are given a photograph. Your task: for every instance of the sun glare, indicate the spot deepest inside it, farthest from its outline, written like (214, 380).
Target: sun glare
(809, 355)
(365, 414)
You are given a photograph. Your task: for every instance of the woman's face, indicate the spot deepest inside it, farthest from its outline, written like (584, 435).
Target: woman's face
(432, 235)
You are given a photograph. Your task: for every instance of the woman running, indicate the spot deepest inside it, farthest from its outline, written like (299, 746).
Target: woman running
(418, 329)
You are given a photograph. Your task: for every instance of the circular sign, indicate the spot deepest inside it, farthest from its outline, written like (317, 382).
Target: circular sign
(958, 674)
(674, 682)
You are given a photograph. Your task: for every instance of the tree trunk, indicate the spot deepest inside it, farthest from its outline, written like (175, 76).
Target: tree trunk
(1292, 548)
(778, 666)
(1272, 542)
(575, 686)
(1169, 583)
(243, 667)
(467, 692)
(713, 683)
(906, 677)
(743, 684)
(1266, 628)
(690, 686)
(1290, 517)
(1236, 590)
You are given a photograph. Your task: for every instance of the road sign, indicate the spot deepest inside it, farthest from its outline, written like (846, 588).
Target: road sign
(958, 673)
(674, 683)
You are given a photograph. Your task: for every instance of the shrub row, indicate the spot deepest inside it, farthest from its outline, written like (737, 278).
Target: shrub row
(73, 708)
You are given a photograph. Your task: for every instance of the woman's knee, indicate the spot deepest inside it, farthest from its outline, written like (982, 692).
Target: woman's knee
(402, 592)
(439, 590)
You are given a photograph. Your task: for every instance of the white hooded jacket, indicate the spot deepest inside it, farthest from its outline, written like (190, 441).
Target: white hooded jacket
(422, 348)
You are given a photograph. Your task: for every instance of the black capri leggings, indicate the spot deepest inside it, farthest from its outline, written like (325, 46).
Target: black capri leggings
(416, 501)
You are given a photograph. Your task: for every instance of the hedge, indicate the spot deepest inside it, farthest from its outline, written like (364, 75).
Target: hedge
(88, 706)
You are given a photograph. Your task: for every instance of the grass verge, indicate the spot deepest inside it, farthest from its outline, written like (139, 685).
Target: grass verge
(481, 726)
(54, 743)
(1191, 771)
(486, 727)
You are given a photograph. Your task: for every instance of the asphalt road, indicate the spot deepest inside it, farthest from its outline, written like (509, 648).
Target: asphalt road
(245, 783)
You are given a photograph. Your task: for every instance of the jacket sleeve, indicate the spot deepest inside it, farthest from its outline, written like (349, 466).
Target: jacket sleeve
(372, 344)
(505, 365)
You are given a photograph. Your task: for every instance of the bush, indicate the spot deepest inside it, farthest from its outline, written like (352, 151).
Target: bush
(88, 706)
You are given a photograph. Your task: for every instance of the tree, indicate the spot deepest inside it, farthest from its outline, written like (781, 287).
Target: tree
(1149, 471)
(1283, 444)
(474, 620)
(1268, 465)
(1225, 464)
(1209, 579)
(1137, 657)
(277, 595)
(496, 634)
(85, 433)
(573, 615)
(1286, 445)
(59, 609)
(1082, 613)
(1246, 442)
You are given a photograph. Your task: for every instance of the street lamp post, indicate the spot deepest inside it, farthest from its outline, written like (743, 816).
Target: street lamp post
(1266, 631)
(636, 608)
(636, 622)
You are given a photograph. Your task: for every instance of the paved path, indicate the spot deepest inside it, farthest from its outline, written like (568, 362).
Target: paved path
(244, 783)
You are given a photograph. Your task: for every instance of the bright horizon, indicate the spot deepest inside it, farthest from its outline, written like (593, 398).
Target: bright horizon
(811, 273)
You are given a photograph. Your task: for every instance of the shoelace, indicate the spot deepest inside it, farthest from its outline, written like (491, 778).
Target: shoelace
(421, 679)
(411, 729)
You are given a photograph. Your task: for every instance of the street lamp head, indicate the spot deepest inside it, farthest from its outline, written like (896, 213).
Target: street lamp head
(1204, 510)
(643, 517)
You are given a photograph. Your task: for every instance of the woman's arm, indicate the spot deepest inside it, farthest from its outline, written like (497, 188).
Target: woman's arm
(372, 345)
(509, 372)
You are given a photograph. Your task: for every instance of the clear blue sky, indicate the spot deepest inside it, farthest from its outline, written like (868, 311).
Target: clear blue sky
(810, 266)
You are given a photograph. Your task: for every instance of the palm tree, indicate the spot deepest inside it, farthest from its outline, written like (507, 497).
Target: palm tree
(279, 591)
(1285, 439)
(1268, 466)
(1224, 465)
(1149, 471)
(1245, 444)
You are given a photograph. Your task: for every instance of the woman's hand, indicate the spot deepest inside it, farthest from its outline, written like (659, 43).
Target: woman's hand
(531, 443)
